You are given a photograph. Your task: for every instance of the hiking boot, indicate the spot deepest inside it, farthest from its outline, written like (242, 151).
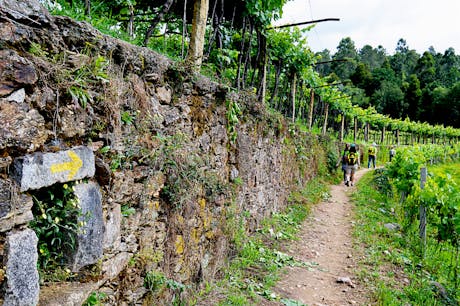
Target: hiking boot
(346, 183)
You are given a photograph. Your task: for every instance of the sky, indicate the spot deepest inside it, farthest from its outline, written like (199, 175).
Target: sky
(422, 23)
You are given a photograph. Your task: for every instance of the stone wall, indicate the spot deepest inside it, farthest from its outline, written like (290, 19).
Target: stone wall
(158, 179)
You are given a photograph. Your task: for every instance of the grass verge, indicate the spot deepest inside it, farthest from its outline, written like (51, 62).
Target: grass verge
(258, 263)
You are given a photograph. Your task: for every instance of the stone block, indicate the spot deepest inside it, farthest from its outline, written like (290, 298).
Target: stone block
(34, 171)
(15, 207)
(22, 282)
(112, 231)
(90, 238)
(112, 267)
(30, 12)
(21, 128)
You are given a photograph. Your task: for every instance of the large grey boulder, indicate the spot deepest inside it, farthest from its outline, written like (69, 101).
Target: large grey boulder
(22, 282)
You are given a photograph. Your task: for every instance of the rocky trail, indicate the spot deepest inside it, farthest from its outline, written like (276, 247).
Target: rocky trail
(325, 244)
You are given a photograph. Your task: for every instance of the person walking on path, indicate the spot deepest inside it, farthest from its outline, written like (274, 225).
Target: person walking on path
(352, 165)
(372, 153)
(343, 160)
(392, 152)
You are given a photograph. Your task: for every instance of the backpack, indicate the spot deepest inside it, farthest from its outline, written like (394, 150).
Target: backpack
(371, 151)
(352, 158)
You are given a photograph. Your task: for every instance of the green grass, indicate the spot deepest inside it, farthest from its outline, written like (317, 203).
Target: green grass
(392, 267)
(258, 262)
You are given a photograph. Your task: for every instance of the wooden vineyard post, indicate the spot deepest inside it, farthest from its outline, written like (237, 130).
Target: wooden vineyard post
(422, 225)
(382, 137)
(310, 111)
(326, 113)
(342, 127)
(366, 132)
(355, 129)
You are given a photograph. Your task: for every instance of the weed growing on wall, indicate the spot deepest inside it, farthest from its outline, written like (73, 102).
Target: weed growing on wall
(56, 211)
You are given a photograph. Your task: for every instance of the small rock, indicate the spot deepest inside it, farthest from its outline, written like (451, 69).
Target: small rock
(18, 96)
(345, 280)
(349, 256)
(392, 226)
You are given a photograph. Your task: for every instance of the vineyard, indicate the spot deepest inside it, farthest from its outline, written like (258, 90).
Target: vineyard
(423, 212)
(327, 95)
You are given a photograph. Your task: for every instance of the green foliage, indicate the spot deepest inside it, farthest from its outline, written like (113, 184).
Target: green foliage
(156, 282)
(57, 220)
(390, 251)
(90, 73)
(37, 50)
(127, 118)
(127, 210)
(95, 299)
(233, 111)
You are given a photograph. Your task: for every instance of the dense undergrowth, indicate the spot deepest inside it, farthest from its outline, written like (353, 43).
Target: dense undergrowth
(395, 266)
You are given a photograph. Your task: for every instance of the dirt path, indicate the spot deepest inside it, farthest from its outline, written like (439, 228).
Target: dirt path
(326, 245)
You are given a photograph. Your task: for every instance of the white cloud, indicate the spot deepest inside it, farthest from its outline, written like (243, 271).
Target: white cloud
(422, 23)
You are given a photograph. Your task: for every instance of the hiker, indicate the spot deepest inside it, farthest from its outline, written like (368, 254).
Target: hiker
(372, 153)
(392, 152)
(343, 159)
(352, 165)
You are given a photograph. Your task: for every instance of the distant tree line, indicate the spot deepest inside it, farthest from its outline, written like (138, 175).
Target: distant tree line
(424, 88)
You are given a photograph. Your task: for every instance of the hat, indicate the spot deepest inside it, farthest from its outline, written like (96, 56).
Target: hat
(352, 145)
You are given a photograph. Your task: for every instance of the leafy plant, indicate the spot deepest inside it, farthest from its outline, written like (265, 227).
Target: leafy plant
(56, 211)
(127, 118)
(95, 299)
(233, 111)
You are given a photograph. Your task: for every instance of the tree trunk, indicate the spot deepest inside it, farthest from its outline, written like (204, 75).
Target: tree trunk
(293, 88)
(195, 50)
(240, 55)
(131, 21)
(157, 19)
(310, 110)
(326, 114)
(277, 81)
(88, 7)
(262, 88)
(184, 29)
(247, 55)
(397, 137)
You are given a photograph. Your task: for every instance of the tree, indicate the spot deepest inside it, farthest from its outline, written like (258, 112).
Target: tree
(425, 69)
(389, 99)
(345, 50)
(413, 96)
(196, 47)
(374, 58)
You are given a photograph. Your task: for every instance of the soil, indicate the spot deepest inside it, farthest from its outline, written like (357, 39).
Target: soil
(326, 245)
